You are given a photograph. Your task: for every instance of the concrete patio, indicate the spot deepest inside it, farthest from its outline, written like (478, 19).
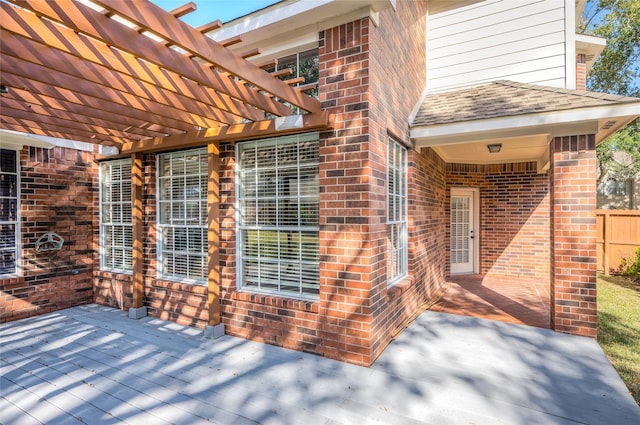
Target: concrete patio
(93, 365)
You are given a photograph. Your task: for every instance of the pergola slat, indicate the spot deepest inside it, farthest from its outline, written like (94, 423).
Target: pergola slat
(30, 126)
(152, 18)
(80, 114)
(36, 93)
(86, 78)
(83, 19)
(63, 39)
(74, 72)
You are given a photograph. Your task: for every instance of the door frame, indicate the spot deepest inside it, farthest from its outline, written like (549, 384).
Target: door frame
(475, 196)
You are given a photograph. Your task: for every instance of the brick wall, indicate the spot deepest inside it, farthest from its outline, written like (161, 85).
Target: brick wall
(58, 193)
(581, 71)
(355, 315)
(573, 236)
(514, 217)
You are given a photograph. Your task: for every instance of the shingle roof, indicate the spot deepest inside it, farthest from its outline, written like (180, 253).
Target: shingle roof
(504, 99)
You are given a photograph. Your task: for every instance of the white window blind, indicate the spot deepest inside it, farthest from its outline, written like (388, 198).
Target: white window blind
(396, 211)
(9, 196)
(182, 215)
(278, 226)
(116, 206)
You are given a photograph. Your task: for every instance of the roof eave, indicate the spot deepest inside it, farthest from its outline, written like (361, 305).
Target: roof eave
(600, 120)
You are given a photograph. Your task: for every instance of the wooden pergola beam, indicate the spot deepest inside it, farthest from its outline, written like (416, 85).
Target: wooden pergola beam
(62, 98)
(39, 104)
(311, 122)
(152, 18)
(183, 10)
(85, 79)
(85, 20)
(29, 26)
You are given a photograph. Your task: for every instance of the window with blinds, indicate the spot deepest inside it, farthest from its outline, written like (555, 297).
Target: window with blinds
(396, 211)
(182, 215)
(115, 216)
(9, 196)
(278, 226)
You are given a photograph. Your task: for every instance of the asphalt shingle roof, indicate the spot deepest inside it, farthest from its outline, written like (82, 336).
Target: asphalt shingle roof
(504, 99)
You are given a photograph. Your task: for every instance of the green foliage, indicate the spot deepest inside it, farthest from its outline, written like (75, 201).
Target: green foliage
(619, 328)
(630, 266)
(617, 71)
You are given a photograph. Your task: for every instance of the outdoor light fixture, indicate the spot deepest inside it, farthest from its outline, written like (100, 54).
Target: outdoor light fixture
(4, 89)
(495, 147)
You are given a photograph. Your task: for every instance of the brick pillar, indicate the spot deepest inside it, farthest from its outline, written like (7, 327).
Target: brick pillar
(581, 71)
(573, 234)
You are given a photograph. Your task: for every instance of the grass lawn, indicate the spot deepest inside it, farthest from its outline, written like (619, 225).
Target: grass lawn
(619, 327)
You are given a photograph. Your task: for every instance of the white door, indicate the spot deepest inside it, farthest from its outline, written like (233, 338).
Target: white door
(463, 231)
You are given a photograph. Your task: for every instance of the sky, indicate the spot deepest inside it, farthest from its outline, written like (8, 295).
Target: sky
(210, 10)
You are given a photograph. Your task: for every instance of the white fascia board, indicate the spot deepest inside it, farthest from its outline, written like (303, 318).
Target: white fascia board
(558, 123)
(16, 140)
(570, 44)
(268, 17)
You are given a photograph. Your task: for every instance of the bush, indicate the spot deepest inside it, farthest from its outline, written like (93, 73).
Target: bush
(630, 266)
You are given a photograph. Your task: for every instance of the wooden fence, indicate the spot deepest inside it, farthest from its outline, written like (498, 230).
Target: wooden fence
(617, 238)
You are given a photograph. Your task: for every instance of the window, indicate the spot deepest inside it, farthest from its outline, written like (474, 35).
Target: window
(396, 211)
(182, 215)
(278, 207)
(116, 206)
(303, 64)
(9, 184)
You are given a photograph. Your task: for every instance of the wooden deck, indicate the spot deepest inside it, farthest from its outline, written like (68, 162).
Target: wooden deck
(94, 365)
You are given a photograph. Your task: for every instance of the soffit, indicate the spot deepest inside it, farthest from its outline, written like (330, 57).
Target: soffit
(122, 73)
(523, 118)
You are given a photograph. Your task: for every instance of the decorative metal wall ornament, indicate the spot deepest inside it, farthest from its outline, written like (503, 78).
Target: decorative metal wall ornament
(50, 241)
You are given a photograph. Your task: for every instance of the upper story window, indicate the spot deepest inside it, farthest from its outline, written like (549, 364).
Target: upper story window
(182, 215)
(9, 198)
(278, 215)
(304, 64)
(116, 204)
(397, 243)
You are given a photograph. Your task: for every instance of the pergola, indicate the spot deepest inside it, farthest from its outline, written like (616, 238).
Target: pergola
(130, 76)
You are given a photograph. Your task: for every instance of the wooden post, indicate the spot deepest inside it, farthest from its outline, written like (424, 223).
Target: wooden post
(606, 246)
(136, 218)
(213, 235)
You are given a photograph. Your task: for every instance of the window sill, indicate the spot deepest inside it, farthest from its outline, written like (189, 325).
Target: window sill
(279, 301)
(397, 289)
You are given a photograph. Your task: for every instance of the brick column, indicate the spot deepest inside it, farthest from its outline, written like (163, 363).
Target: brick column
(573, 235)
(581, 71)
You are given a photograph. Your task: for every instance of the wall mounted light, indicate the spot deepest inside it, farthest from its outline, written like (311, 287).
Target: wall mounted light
(495, 147)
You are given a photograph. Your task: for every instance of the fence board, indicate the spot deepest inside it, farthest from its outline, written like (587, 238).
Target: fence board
(618, 235)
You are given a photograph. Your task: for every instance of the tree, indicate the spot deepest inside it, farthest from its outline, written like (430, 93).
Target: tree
(617, 71)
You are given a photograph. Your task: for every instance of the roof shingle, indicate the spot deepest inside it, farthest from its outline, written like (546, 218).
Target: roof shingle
(504, 99)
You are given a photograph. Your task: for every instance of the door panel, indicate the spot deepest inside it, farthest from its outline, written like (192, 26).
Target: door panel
(462, 247)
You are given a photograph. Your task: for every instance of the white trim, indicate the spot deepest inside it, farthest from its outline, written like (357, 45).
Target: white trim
(558, 123)
(570, 43)
(18, 231)
(16, 140)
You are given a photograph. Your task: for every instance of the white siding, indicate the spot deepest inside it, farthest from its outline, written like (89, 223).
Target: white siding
(478, 41)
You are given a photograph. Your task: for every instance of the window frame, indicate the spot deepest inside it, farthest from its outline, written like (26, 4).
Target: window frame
(306, 289)
(397, 218)
(123, 224)
(17, 248)
(187, 254)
